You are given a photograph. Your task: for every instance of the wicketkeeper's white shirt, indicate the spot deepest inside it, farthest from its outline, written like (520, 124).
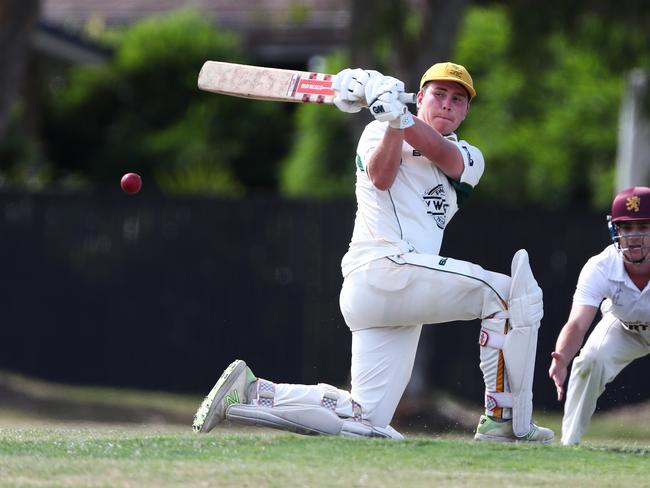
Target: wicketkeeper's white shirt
(412, 215)
(604, 277)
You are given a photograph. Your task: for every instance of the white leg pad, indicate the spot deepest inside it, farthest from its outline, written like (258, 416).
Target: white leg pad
(301, 419)
(355, 428)
(520, 345)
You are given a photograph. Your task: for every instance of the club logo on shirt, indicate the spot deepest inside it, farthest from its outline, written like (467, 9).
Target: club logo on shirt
(436, 202)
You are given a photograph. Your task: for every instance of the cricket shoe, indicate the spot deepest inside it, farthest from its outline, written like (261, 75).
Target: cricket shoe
(231, 388)
(501, 431)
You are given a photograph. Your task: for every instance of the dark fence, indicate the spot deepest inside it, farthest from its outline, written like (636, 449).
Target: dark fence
(163, 293)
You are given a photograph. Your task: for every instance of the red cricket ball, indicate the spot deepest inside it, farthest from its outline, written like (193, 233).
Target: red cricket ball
(131, 183)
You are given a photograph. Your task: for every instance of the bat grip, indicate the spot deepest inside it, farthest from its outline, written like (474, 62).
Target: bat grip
(407, 97)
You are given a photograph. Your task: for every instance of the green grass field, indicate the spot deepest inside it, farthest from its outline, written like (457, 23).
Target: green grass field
(37, 449)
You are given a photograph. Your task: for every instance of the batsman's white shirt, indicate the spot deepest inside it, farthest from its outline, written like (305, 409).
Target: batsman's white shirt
(410, 216)
(621, 336)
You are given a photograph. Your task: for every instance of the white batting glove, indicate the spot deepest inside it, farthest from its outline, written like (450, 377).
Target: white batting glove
(382, 95)
(404, 121)
(349, 87)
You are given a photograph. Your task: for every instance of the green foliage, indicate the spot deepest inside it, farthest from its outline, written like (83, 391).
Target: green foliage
(321, 161)
(546, 115)
(548, 128)
(143, 112)
(549, 135)
(21, 162)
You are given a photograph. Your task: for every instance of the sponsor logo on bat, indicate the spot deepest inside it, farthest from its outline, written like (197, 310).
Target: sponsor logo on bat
(293, 84)
(315, 87)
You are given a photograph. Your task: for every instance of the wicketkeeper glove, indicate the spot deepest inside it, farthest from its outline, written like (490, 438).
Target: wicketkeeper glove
(382, 95)
(349, 87)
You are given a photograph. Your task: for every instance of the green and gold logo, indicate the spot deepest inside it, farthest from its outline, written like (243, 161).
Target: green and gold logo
(232, 399)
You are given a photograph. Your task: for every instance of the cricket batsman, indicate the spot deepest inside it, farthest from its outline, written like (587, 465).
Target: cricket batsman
(412, 174)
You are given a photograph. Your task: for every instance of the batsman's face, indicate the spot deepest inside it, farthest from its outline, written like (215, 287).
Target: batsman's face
(443, 105)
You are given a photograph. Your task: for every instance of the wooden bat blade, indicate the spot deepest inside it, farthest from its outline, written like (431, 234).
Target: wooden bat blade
(280, 85)
(240, 80)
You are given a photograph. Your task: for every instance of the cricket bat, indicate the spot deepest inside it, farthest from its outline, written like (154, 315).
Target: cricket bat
(280, 85)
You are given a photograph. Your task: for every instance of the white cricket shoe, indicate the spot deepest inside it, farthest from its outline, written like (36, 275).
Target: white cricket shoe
(231, 388)
(494, 431)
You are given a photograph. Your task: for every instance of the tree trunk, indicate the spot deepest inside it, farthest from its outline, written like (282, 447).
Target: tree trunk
(375, 22)
(17, 21)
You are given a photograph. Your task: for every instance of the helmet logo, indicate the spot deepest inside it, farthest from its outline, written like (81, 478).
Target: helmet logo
(633, 203)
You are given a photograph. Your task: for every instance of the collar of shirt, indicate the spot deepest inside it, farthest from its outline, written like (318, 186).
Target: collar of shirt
(452, 137)
(618, 272)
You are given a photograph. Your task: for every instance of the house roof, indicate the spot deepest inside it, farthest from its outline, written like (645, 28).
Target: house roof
(67, 47)
(273, 30)
(332, 13)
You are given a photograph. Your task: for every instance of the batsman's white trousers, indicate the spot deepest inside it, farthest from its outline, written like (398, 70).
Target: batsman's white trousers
(609, 348)
(385, 303)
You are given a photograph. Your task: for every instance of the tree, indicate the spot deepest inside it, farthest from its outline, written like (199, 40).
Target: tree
(143, 112)
(546, 122)
(17, 21)
(401, 38)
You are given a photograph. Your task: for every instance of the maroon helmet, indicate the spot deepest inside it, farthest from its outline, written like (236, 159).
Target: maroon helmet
(631, 204)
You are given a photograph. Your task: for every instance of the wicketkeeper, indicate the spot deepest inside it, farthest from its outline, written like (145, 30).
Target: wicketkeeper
(412, 174)
(616, 281)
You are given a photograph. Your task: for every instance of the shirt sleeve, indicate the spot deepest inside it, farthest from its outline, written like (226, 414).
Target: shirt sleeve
(368, 141)
(474, 164)
(592, 285)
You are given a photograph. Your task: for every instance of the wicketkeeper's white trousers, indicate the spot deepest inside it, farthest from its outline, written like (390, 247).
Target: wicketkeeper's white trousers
(609, 348)
(385, 303)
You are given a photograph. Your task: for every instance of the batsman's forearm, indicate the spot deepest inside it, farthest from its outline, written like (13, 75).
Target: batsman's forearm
(384, 163)
(433, 146)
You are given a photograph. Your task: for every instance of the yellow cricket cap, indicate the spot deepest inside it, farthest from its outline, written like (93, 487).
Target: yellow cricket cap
(449, 72)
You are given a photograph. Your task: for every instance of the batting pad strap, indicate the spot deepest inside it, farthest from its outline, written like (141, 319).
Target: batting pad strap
(330, 397)
(498, 399)
(490, 338)
(265, 393)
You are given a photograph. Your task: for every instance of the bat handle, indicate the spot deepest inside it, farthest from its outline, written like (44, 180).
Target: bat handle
(407, 97)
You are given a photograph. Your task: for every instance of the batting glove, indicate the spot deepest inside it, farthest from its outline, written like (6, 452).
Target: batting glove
(404, 121)
(349, 87)
(382, 95)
